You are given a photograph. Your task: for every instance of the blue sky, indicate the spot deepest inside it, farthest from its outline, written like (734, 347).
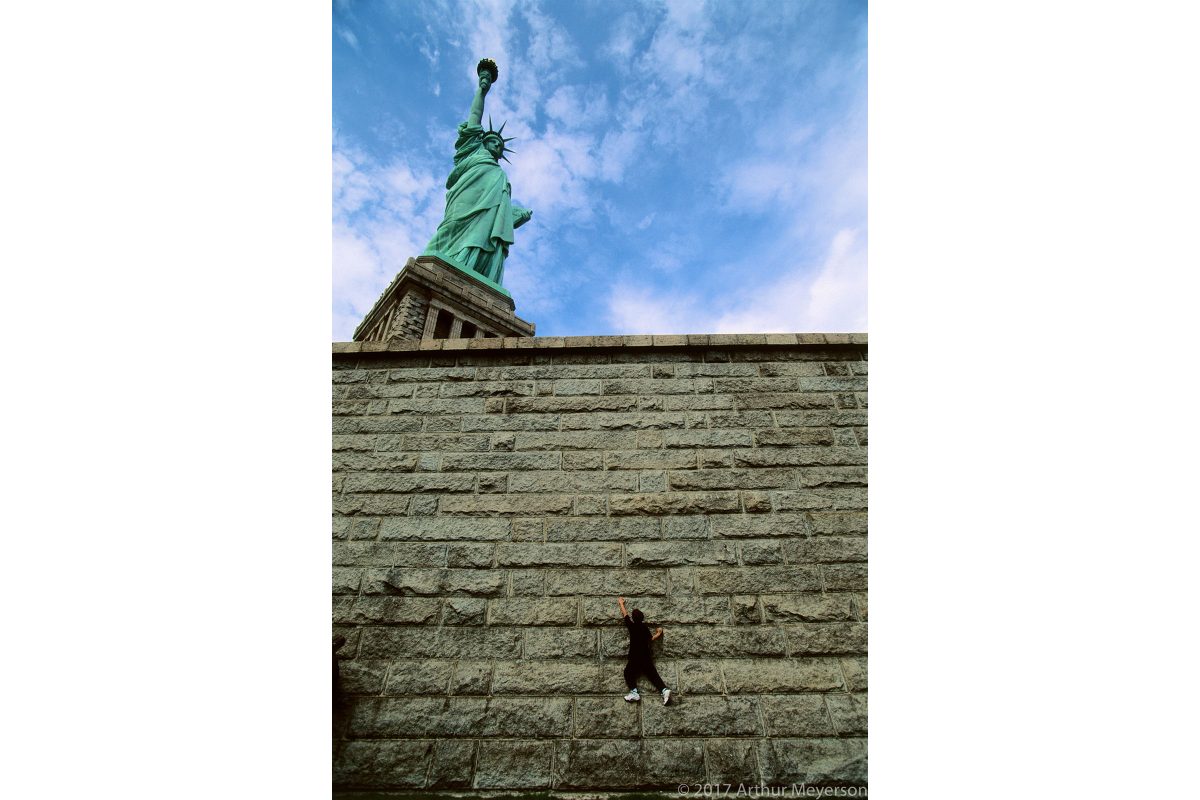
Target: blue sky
(692, 167)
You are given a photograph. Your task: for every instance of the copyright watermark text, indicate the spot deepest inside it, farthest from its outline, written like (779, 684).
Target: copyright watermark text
(755, 791)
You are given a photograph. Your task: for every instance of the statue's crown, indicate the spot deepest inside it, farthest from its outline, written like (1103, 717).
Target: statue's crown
(500, 135)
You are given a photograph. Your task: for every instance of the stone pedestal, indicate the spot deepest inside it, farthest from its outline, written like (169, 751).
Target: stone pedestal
(430, 299)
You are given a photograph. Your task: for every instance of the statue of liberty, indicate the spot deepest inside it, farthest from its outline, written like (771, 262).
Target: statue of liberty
(480, 216)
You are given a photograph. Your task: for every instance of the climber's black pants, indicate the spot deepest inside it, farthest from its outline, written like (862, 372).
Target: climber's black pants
(642, 666)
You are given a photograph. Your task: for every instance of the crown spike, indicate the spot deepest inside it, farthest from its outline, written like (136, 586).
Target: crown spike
(502, 124)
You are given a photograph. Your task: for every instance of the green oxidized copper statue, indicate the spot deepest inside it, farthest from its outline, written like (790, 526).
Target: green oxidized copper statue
(480, 216)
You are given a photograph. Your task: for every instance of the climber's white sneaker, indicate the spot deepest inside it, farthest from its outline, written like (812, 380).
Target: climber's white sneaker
(633, 696)
(666, 693)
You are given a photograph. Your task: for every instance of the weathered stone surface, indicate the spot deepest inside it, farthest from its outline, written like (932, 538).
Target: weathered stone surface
(559, 555)
(442, 529)
(701, 642)
(514, 764)
(606, 718)
(582, 529)
(661, 503)
(796, 715)
(808, 607)
(700, 677)
(453, 763)
(507, 505)
(849, 713)
(443, 643)
(611, 582)
(744, 676)
(417, 717)
(702, 715)
(757, 580)
(382, 765)
(419, 677)
(491, 504)
(830, 638)
(813, 762)
(674, 554)
(592, 762)
(733, 762)
(560, 643)
(440, 582)
(533, 611)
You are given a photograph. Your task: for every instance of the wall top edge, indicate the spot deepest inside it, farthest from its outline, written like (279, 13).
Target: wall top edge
(605, 342)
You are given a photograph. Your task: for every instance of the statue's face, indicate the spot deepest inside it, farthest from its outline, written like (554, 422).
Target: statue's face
(494, 145)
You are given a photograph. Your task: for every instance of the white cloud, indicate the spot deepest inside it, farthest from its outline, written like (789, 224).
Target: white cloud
(831, 298)
(348, 36)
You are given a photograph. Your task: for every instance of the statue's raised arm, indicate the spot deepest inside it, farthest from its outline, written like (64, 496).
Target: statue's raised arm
(477, 229)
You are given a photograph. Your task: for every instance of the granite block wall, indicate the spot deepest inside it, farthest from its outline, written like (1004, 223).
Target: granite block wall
(491, 500)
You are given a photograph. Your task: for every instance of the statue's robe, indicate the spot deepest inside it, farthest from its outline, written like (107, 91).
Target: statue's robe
(478, 226)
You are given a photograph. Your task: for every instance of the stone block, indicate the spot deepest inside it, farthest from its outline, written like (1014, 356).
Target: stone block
(650, 459)
(611, 582)
(361, 462)
(386, 554)
(533, 611)
(757, 553)
(674, 503)
(702, 715)
(514, 765)
(507, 505)
(826, 549)
(624, 421)
(510, 422)
(666, 763)
(585, 763)
(787, 401)
(556, 678)
(679, 610)
(570, 405)
(845, 577)
(558, 555)
(827, 638)
(409, 581)
(855, 670)
(700, 677)
(744, 676)
(453, 763)
(849, 713)
(812, 762)
(832, 523)
(606, 718)
(733, 761)
(739, 526)
(709, 479)
(685, 527)
(447, 643)
(800, 457)
(757, 580)
(382, 765)
(346, 581)
(441, 529)
(577, 529)
(470, 555)
(418, 717)
(471, 677)
(796, 715)
(852, 498)
(678, 554)
(528, 582)
(560, 643)
(577, 440)
(419, 677)
(464, 611)
(394, 611)
(362, 676)
(501, 462)
(568, 482)
(706, 642)
(745, 609)
(808, 608)
(487, 389)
